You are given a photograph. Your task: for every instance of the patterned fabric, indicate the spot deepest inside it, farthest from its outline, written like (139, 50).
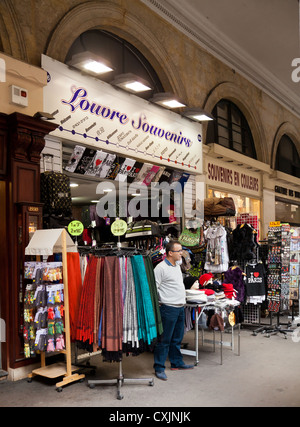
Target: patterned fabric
(56, 193)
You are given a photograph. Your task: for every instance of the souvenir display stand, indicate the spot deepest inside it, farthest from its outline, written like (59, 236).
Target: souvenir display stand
(278, 278)
(46, 243)
(294, 270)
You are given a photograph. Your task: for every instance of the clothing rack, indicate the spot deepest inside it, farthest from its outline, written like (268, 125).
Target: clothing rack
(120, 380)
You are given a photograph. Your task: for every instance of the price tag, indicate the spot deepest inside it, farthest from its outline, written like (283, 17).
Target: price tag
(118, 227)
(75, 228)
(274, 224)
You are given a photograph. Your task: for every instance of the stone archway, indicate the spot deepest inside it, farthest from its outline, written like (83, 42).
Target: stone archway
(120, 21)
(230, 91)
(292, 132)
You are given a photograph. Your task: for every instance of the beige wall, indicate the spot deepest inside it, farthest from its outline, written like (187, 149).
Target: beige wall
(26, 76)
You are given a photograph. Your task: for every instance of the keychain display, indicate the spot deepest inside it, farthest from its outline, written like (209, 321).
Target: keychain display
(43, 308)
(294, 264)
(274, 269)
(278, 267)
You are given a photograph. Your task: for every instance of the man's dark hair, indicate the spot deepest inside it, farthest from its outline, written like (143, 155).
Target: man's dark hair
(170, 245)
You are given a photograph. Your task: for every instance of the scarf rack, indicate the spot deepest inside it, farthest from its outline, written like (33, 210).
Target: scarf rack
(117, 251)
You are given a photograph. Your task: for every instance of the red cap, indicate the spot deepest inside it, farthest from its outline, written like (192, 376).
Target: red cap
(205, 278)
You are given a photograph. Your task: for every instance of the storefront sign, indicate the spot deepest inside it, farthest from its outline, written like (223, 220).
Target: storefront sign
(228, 177)
(95, 113)
(287, 192)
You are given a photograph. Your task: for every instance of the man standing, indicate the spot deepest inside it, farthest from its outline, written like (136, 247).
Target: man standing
(171, 293)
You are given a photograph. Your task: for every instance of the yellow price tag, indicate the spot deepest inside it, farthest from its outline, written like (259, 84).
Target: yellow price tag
(75, 228)
(274, 224)
(118, 227)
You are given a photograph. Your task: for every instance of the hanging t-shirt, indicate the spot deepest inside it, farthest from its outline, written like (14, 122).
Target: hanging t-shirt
(217, 258)
(255, 279)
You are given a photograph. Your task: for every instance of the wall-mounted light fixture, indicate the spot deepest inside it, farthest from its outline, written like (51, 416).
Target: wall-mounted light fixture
(167, 100)
(131, 83)
(197, 114)
(89, 62)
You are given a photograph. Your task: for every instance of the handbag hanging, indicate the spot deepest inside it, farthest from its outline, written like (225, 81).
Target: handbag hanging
(190, 238)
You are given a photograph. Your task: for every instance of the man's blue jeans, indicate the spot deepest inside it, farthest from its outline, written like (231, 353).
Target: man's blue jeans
(173, 331)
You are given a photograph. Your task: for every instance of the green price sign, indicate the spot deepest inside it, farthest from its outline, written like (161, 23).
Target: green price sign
(118, 227)
(75, 228)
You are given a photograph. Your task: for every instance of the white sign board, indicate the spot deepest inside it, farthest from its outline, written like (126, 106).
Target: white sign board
(95, 113)
(232, 178)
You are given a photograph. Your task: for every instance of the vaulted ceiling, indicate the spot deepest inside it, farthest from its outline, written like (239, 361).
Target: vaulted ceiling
(257, 38)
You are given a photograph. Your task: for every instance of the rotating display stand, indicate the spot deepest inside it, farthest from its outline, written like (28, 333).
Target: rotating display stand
(45, 243)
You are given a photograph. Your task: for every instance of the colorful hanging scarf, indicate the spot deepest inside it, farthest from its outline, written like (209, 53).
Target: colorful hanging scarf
(75, 289)
(112, 322)
(153, 292)
(85, 325)
(146, 321)
(130, 321)
(98, 301)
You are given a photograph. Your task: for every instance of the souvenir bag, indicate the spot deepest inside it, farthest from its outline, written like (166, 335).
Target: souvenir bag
(157, 254)
(197, 270)
(189, 238)
(56, 193)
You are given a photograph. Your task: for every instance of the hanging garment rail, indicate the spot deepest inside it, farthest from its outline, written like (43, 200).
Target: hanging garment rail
(124, 317)
(120, 381)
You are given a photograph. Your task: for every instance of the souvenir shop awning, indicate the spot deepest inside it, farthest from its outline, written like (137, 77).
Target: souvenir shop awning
(48, 242)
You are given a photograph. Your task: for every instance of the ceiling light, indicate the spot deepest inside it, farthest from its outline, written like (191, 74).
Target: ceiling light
(73, 184)
(197, 114)
(167, 100)
(88, 61)
(94, 201)
(107, 190)
(43, 115)
(131, 83)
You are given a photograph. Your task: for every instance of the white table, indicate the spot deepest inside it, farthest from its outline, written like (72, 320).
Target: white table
(214, 305)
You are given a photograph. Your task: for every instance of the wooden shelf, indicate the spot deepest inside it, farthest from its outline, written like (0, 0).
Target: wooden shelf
(53, 371)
